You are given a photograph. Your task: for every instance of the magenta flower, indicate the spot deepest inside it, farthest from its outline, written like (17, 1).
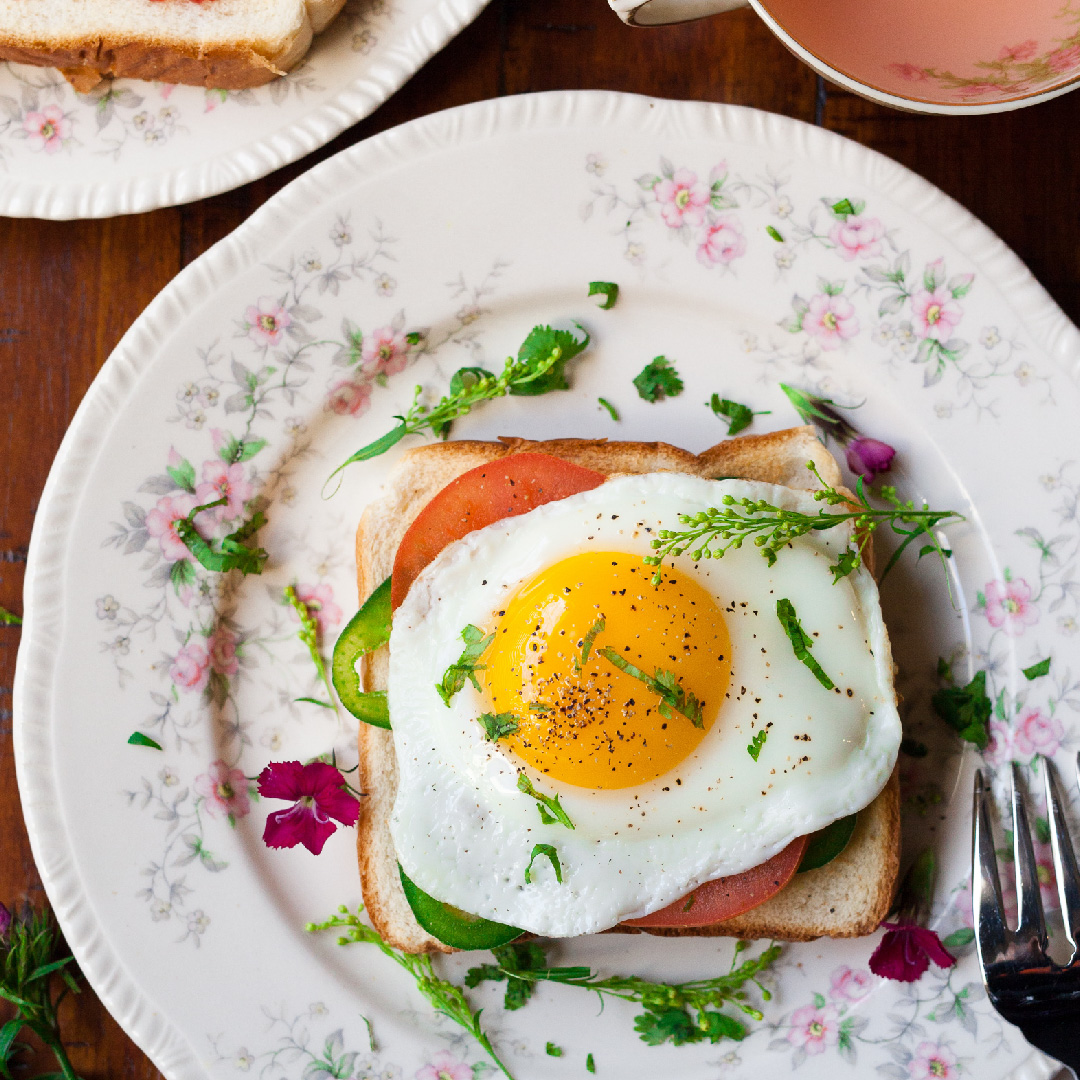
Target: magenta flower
(444, 1066)
(161, 525)
(385, 351)
(814, 1029)
(867, 457)
(225, 791)
(5, 922)
(319, 600)
(348, 398)
(1009, 606)
(222, 481)
(318, 793)
(847, 984)
(830, 319)
(682, 199)
(936, 313)
(906, 950)
(190, 668)
(221, 646)
(47, 129)
(932, 1061)
(266, 321)
(723, 242)
(1037, 733)
(857, 237)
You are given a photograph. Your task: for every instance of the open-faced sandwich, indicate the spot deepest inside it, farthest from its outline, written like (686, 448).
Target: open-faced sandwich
(566, 738)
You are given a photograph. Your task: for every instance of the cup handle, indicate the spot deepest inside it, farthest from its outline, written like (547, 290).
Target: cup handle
(663, 12)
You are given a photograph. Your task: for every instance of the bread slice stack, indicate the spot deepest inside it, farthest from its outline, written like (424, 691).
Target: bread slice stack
(847, 897)
(224, 44)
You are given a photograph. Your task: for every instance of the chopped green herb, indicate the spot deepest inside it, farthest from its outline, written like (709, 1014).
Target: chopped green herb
(466, 666)
(739, 417)
(9, 618)
(590, 1064)
(845, 208)
(552, 1050)
(315, 701)
(607, 289)
(658, 379)
(966, 709)
(758, 741)
(665, 684)
(539, 707)
(690, 901)
(498, 725)
(309, 635)
(959, 938)
(137, 738)
(913, 748)
(588, 641)
(774, 233)
(1037, 670)
(231, 553)
(801, 642)
(551, 811)
(513, 958)
(550, 854)
(612, 411)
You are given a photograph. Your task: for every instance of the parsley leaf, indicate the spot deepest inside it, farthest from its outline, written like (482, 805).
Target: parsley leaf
(1037, 670)
(498, 725)
(552, 1050)
(801, 642)
(551, 811)
(231, 552)
(739, 417)
(538, 376)
(590, 1065)
(774, 233)
(657, 380)
(758, 741)
(612, 411)
(665, 684)
(137, 738)
(607, 289)
(511, 959)
(966, 709)
(549, 853)
(466, 666)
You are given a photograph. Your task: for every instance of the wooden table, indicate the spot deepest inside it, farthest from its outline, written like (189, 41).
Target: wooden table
(69, 290)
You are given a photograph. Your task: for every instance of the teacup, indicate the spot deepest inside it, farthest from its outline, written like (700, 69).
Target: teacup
(939, 56)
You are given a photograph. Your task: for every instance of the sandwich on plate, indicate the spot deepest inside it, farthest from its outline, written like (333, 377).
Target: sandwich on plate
(224, 44)
(569, 734)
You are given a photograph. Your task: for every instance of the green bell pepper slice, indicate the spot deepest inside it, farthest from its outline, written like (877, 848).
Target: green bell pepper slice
(451, 925)
(367, 630)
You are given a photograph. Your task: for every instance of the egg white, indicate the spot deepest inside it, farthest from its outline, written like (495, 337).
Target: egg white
(464, 832)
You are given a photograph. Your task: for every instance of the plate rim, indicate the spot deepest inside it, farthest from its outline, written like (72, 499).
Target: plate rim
(246, 246)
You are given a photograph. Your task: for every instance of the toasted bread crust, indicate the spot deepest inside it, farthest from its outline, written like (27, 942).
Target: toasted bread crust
(846, 898)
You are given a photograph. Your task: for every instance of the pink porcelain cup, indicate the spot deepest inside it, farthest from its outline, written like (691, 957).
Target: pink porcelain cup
(935, 56)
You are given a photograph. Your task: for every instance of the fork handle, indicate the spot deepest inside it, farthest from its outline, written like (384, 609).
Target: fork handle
(1058, 1036)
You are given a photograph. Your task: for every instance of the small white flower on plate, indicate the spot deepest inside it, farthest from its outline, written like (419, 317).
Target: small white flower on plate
(107, 607)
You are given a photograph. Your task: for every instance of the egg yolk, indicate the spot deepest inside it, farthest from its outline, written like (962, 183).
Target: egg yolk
(581, 718)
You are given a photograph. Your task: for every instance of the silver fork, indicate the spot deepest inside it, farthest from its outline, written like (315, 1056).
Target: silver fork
(1023, 983)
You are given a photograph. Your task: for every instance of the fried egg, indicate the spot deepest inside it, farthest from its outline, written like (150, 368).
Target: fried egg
(661, 798)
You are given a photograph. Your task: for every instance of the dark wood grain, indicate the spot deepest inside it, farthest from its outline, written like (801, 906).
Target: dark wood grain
(69, 290)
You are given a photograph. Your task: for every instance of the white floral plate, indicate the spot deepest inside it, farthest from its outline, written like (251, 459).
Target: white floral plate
(280, 350)
(131, 146)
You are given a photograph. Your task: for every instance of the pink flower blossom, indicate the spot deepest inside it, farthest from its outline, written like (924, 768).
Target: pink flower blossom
(161, 525)
(830, 319)
(965, 907)
(221, 646)
(932, 1061)
(225, 791)
(222, 481)
(847, 984)
(318, 793)
(999, 749)
(723, 242)
(911, 72)
(267, 321)
(1024, 51)
(905, 952)
(936, 313)
(814, 1029)
(857, 237)
(385, 351)
(444, 1066)
(682, 199)
(867, 457)
(47, 129)
(1064, 59)
(1009, 606)
(190, 667)
(348, 398)
(319, 600)
(5, 922)
(1037, 733)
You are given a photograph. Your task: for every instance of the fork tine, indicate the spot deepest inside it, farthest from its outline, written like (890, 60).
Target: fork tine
(1032, 926)
(991, 936)
(1068, 878)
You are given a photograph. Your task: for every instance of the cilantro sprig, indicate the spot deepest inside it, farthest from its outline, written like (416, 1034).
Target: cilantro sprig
(466, 667)
(609, 290)
(658, 379)
(509, 960)
(665, 684)
(447, 999)
(309, 635)
(551, 811)
(672, 1012)
(712, 532)
(756, 743)
(738, 416)
(497, 725)
(231, 552)
(538, 368)
(966, 709)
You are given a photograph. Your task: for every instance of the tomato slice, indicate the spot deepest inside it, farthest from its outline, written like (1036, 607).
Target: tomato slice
(504, 488)
(727, 897)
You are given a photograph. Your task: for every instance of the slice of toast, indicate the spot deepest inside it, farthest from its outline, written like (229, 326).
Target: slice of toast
(223, 44)
(846, 898)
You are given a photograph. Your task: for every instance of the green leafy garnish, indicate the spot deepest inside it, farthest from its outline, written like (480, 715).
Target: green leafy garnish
(846, 208)
(539, 707)
(552, 1050)
(827, 843)
(612, 411)
(309, 635)
(30, 957)
(774, 233)
(658, 379)
(498, 725)
(588, 641)
(673, 1012)
(1037, 670)
(137, 738)
(590, 1064)
(447, 998)
(801, 642)
(540, 367)
(551, 811)
(713, 532)
(739, 417)
(231, 553)
(665, 684)
(607, 289)
(756, 743)
(550, 854)
(513, 958)
(966, 709)
(466, 666)
(9, 618)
